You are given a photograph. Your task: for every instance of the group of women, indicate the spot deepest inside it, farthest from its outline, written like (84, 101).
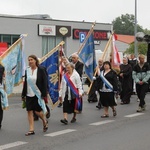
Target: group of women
(71, 91)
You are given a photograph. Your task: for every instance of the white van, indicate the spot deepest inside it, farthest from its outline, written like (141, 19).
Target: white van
(99, 54)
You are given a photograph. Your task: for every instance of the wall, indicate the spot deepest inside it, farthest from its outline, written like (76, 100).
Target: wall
(33, 42)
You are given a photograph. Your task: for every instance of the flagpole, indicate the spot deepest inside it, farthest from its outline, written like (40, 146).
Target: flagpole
(24, 35)
(105, 50)
(52, 51)
(107, 45)
(44, 58)
(89, 33)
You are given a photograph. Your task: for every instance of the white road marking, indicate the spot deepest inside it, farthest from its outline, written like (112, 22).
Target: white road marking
(102, 122)
(134, 115)
(60, 132)
(10, 145)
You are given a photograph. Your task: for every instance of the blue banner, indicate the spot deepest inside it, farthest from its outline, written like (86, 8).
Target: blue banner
(87, 55)
(52, 64)
(12, 60)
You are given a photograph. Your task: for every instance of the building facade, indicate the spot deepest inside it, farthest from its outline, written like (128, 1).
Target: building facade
(45, 33)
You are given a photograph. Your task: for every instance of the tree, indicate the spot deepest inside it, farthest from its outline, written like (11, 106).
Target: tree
(142, 48)
(125, 25)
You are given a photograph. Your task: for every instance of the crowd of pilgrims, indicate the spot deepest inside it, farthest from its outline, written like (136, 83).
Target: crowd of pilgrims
(111, 85)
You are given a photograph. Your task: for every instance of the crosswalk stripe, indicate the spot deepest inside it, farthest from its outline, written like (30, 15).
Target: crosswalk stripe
(10, 145)
(102, 122)
(134, 115)
(60, 132)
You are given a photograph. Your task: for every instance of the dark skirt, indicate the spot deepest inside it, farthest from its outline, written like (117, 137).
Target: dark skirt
(68, 105)
(107, 99)
(32, 104)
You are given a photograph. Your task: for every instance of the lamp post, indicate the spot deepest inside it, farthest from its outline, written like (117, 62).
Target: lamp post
(135, 30)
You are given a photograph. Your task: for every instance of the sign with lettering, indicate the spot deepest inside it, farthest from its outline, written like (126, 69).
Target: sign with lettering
(98, 34)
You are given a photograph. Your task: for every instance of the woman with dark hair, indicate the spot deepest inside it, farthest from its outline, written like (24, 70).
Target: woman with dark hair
(34, 92)
(108, 88)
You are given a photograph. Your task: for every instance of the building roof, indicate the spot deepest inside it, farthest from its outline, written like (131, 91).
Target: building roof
(125, 38)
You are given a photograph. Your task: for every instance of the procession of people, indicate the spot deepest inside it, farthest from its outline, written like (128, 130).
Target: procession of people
(71, 90)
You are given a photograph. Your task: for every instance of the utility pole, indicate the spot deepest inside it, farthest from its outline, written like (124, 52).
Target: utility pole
(135, 30)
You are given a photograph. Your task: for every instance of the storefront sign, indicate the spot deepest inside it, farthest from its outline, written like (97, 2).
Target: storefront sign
(98, 34)
(48, 30)
(63, 31)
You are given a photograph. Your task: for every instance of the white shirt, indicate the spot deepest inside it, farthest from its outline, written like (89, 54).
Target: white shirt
(33, 77)
(75, 78)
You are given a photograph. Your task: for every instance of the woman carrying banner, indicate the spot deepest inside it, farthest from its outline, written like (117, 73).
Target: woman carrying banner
(34, 92)
(71, 92)
(108, 88)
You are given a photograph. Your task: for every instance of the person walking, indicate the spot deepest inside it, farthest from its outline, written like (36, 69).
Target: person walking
(79, 68)
(34, 91)
(133, 61)
(71, 93)
(141, 75)
(108, 88)
(100, 66)
(3, 95)
(125, 77)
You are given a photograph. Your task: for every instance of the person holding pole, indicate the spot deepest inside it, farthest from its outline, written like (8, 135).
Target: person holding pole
(108, 89)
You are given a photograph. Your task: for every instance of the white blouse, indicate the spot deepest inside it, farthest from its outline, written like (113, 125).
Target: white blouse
(33, 76)
(75, 78)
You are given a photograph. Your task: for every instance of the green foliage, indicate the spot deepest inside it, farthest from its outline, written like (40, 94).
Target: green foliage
(125, 25)
(142, 48)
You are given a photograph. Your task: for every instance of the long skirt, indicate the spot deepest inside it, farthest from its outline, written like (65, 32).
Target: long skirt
(107, 99)
(68, 105)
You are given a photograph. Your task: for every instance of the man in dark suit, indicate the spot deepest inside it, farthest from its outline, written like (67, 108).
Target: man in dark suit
(78, 64)
(2, 69)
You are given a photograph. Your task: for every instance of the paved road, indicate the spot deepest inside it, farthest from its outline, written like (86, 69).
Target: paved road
(128, 131)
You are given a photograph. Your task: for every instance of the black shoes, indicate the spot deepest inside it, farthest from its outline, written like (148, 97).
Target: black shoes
(98, 106)
(30, 133)
(114, 112)
(73, 120)
(64, 121)
(59, 105)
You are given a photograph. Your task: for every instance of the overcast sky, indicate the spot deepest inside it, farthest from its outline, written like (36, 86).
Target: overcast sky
(102, 11)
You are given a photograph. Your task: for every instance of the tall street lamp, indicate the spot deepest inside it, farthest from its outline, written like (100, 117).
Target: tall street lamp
(135, 30)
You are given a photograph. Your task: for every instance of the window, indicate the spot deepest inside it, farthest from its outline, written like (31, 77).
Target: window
(9, 39)
(48, 43)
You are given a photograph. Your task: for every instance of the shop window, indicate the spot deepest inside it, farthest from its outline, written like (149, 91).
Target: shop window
(48, 43)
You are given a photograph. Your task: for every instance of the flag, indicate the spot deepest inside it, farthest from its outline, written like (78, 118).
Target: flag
(87, 55)
(51, 62)
(111, 53)
(13, 61)
(116, 59)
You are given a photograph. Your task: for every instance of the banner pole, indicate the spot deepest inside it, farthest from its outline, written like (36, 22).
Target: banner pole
(89, 33)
